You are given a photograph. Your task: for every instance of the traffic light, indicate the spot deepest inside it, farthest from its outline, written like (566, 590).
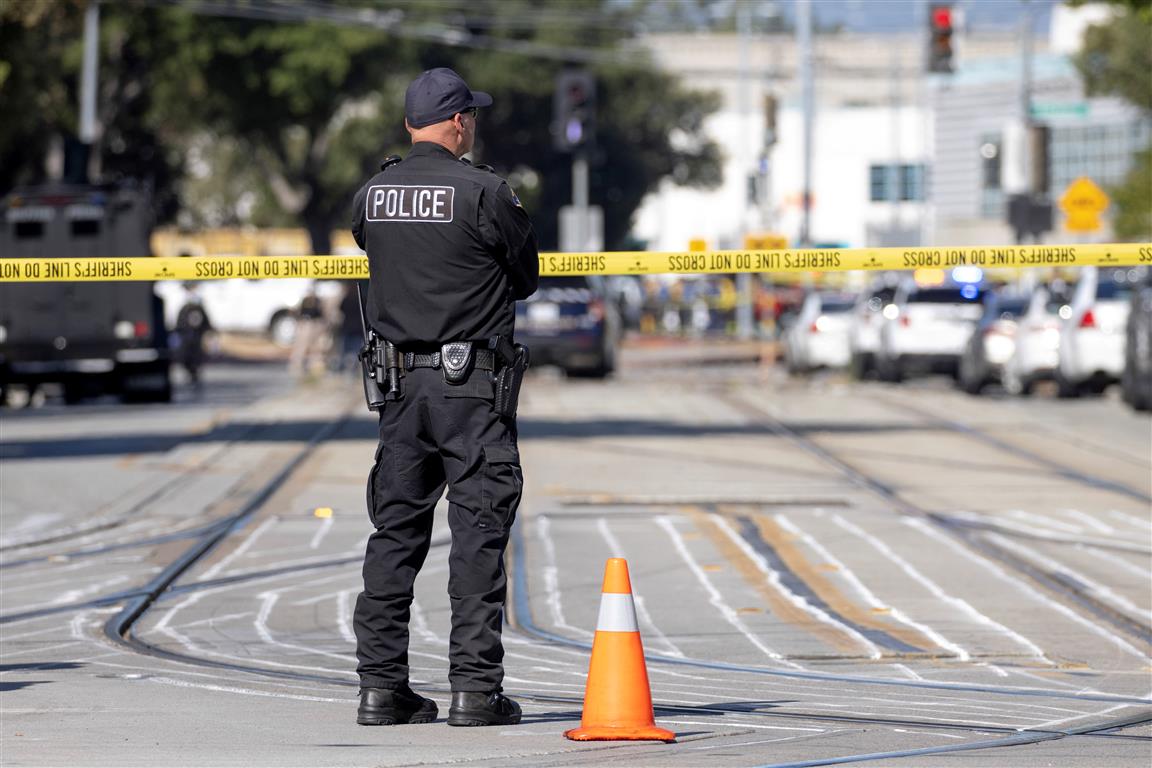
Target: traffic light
(574, 110)
(940, 17)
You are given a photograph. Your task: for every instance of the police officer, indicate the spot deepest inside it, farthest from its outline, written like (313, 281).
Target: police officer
(450, 250)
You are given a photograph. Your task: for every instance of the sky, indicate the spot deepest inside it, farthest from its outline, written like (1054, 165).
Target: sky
(887, 15)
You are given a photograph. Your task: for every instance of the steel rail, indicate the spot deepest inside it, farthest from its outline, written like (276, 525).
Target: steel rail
(119, 630)
(119, 626)
(957, 528)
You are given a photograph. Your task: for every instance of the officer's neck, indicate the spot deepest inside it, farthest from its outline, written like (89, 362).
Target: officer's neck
(426, 145)
(443, 135)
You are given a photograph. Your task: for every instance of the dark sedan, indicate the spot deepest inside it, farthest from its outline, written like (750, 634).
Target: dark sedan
(570, 322)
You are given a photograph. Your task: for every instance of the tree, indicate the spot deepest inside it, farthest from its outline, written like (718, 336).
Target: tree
(37, 84)
(40, 54)
(317, 105)
(1116, 60)
(292, 114)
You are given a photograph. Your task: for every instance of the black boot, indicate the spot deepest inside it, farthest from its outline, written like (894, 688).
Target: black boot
(473, 708)
(387, 706)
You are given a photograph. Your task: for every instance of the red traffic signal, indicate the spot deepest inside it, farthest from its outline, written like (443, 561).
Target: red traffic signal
(940, 38)
(942, 17)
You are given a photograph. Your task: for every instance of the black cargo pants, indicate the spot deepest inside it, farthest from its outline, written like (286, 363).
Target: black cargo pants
(439, 434)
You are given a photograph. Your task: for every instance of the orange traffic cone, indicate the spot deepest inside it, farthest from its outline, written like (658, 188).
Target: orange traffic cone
(617, 700)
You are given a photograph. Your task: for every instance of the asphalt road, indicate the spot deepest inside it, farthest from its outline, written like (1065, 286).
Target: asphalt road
(824, 573)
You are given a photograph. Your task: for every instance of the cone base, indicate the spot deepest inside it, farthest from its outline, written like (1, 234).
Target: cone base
(626, 733)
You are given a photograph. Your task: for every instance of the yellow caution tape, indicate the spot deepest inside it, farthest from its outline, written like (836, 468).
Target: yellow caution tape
(601, 263)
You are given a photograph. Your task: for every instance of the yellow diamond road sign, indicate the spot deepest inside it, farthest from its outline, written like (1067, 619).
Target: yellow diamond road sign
(1083, 202)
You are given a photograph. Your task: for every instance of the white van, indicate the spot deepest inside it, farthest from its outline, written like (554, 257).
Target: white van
(266, 307)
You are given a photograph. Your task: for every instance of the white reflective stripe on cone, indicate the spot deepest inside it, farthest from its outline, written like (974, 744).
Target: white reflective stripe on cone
(617, 613)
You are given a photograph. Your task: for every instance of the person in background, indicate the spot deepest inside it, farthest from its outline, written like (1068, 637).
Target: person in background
(350, 329)
(311, 331)
(192, 324)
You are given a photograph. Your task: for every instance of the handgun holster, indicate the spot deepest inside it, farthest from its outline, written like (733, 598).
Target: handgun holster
(507, 381)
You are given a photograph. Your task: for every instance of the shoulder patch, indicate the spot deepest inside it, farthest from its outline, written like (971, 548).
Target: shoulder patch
(515, 199)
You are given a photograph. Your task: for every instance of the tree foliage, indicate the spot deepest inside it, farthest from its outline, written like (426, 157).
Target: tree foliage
(41, 49)
(279, 122)
(37, 83)
(1133, 201)
(1116, 60)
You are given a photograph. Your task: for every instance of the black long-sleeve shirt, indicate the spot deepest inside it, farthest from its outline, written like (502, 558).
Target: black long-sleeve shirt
(449, 249)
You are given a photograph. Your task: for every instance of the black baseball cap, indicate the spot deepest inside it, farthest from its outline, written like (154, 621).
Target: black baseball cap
(437, 94)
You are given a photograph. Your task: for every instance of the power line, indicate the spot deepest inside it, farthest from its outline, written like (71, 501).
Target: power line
(392, 22)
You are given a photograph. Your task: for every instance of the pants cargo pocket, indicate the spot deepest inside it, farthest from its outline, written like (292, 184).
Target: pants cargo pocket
(501, 484)
(372, 477)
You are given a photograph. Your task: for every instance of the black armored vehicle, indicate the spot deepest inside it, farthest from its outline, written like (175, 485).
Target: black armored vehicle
(90, 337)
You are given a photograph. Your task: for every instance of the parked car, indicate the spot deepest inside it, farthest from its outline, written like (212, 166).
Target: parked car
(1092, 333)
(992, 342)
(818, 337)
(1136, 382)
(864, 332)
(571, 322)
(926, 327)
(1037, 348)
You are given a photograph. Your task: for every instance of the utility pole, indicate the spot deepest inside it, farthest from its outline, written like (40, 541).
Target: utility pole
(927, 162)
(1029, 208)
(804, 46)
(1026, 63)
(894, 171)
(82, 163)
(743, 279)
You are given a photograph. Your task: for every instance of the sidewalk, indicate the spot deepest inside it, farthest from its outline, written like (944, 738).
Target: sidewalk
(659, 351)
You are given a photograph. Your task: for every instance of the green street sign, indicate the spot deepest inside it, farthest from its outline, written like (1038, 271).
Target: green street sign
(1060, 109)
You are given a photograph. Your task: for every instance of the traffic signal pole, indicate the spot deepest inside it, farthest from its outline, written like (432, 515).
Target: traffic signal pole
(580, 197)
(574, 119)
(744, 281)
(804, 45)
(1026, 69)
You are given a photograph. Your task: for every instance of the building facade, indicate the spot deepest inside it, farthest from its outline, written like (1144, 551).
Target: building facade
(899, 157)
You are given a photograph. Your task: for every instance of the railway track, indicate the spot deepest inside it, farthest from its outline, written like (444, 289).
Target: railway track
(207, 537)
(964, 530)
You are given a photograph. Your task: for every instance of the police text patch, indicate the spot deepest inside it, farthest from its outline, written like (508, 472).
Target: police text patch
(407, 202)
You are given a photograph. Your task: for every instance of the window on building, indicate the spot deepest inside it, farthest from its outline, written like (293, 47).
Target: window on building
(911, 182)
(1102, 153)
(878, 183)
(887, 183)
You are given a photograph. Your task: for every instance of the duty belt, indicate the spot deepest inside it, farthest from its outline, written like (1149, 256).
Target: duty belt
(485, 359)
